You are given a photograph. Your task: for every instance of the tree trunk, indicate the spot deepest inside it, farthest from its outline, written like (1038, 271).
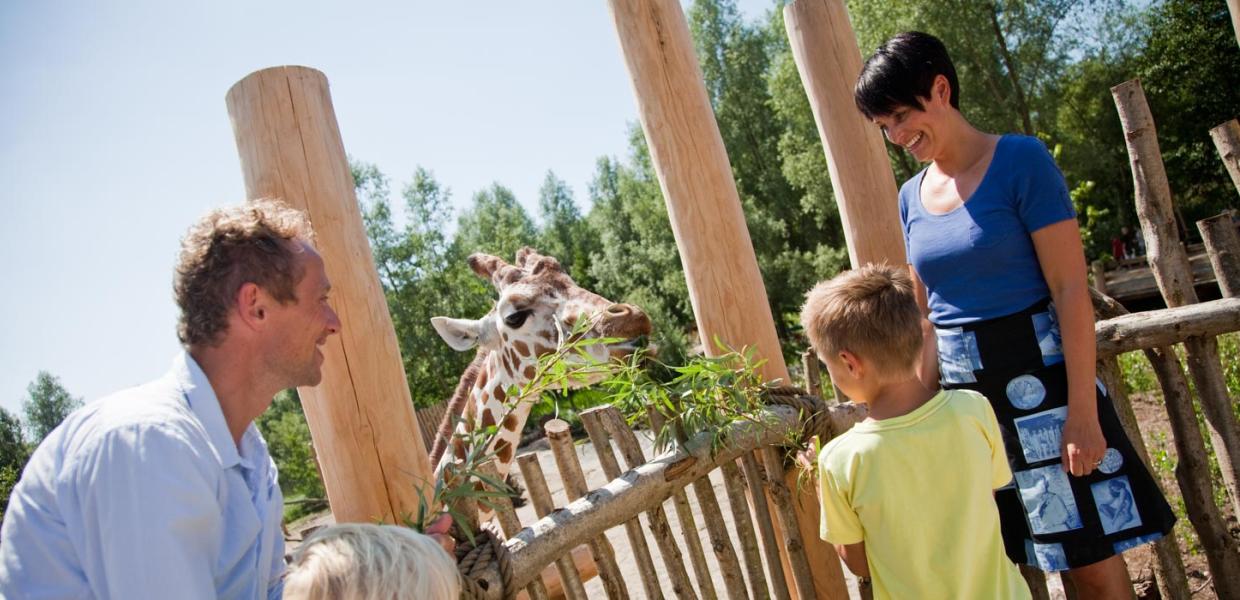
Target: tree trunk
(1010, 65)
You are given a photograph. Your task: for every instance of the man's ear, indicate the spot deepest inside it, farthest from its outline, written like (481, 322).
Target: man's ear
(251, 305)
(460, 334)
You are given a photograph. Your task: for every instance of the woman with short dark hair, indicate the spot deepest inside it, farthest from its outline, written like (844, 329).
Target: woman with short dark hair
(999, 270)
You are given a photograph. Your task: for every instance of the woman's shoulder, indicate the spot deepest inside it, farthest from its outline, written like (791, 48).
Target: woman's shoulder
(910, 188)
(1020, 146)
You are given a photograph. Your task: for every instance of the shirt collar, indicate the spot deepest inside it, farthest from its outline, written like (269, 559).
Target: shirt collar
(206, 406)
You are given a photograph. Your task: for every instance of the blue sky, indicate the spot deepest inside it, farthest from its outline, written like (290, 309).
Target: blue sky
(114, 137)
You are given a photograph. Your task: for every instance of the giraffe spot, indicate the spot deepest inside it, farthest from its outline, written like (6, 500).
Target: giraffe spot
(504, 335)
(510, 422)
(548, 335)
(488, 418)
(541, 350)
(529, 372)
(514, 358)
(503, 451)
(499, 395)
(521, 348)
(482, 378)
(458, 449)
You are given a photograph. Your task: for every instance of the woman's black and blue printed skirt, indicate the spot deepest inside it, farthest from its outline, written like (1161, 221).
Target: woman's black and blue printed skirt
(1051, 519)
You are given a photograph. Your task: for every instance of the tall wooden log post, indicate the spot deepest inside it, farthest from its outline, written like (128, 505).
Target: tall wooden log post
(361, 417)
(725, 286)
(1169, 262)
(828, 60)
(825, 50)
(1226, 138)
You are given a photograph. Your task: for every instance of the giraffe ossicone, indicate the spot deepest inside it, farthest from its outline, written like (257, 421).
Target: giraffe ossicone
(538, 306)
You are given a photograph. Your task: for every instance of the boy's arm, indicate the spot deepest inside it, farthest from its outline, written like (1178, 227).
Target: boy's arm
(853, 555)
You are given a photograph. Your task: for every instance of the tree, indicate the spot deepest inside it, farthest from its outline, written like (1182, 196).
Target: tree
(1190, 71)
(423, 274)
(46, 405)
(496, 224)
(284, 427)
(565, 234)
(13, 456)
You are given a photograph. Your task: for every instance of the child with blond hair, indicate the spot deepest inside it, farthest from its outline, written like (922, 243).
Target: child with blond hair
(360, 561)
(906, 494)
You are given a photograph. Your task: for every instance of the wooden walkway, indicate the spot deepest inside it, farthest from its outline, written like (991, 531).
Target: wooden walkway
(1132, 281)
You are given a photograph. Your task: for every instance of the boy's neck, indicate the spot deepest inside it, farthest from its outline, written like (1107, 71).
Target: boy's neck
(892, 399)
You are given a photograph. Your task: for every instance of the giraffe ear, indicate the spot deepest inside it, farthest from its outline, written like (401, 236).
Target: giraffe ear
(460, 334)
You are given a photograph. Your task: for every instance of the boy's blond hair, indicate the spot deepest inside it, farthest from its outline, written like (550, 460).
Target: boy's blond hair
(870, 312)
(361, 561)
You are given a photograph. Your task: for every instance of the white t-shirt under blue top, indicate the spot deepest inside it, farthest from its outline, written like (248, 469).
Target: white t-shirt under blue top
(144, 494)
(985, 243)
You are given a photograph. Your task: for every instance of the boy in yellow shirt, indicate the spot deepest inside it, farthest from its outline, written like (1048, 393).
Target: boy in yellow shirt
(906, 494)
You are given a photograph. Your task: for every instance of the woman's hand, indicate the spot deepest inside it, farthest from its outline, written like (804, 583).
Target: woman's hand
(1083, 444)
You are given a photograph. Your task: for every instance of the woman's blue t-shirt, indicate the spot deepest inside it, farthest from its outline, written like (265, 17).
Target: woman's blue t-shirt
(978, 261)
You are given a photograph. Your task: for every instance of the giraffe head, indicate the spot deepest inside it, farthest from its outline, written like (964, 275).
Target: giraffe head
(538, 307)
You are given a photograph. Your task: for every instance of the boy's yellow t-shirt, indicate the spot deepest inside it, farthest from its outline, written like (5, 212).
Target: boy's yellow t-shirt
(918, 490)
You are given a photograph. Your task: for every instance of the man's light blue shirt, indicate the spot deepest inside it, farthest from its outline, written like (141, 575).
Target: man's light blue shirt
(143, 494)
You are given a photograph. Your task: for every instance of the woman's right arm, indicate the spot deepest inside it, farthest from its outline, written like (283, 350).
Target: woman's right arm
(928, 369)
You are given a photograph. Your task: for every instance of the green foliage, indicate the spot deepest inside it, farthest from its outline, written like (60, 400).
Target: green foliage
(1229, 356)
(704, 396)
(283, 425)
(1137, 373)
(423, 273)
(1190, 71)
(13, 456)
(47, 403)
(565, 233)
(496, 224)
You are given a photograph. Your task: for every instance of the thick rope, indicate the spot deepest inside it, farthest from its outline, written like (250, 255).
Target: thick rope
(815, 418)
(476, 560)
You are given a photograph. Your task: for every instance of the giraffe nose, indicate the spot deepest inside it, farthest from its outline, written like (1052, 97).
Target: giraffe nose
(620, 310)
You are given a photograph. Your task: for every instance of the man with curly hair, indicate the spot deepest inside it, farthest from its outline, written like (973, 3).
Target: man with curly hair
(167, 490)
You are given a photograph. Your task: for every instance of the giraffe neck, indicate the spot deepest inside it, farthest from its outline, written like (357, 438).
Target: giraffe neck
(502, 371)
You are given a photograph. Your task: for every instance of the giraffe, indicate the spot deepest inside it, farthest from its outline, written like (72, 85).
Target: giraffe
(538, 305)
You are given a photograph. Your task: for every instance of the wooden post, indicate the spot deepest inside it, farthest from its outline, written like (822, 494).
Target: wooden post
(574, 480)
(725, 286)
(1227, 137)
(1192, 472)
(824, 47)
(1169, 263)
(1099, 271)
(361, 416)
(1223, 246)
(1168, 565)
(825, 50)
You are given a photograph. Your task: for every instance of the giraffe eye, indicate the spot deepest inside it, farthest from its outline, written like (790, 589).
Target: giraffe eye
(517, 319)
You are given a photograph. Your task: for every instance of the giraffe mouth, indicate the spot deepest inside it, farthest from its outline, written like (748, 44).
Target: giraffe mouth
(626, 348)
